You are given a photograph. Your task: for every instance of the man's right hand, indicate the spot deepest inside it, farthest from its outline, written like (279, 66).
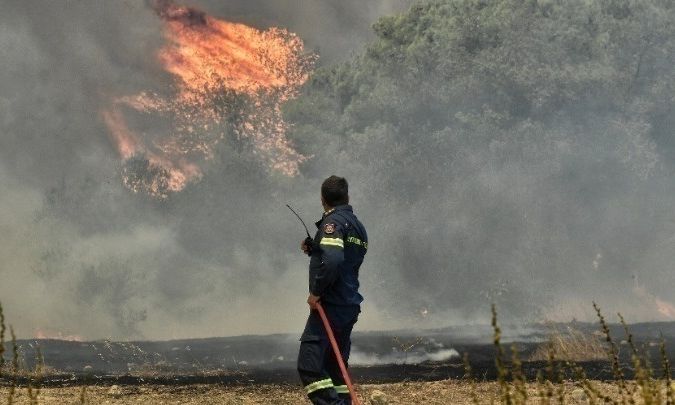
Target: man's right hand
(306, 246)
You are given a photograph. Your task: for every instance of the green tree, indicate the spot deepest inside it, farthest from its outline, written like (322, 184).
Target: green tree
(503, 144)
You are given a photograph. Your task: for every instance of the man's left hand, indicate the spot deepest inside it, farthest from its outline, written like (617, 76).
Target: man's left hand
(312, 300)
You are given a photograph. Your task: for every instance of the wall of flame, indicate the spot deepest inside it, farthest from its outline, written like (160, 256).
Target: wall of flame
(220, 70)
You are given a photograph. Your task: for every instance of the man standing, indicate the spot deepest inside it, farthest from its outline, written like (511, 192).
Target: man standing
(336, 253)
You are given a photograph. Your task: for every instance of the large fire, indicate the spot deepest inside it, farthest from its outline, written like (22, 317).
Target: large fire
(230, 81)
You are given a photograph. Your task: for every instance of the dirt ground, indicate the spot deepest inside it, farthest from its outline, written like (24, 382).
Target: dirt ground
(441, 392)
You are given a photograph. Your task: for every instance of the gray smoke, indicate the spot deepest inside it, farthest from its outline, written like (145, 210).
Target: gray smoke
(81, 255)
(335, 29)
(417, 352)
(516, 153)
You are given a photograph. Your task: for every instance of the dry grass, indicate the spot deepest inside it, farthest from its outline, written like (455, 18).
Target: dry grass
(432, 393)
(570, 344)
(511, 387)
(646, 389)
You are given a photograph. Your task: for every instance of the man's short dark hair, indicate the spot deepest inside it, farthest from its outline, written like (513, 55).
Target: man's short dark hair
(335, 191)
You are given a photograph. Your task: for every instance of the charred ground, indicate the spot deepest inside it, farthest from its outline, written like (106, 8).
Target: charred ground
(270, 359)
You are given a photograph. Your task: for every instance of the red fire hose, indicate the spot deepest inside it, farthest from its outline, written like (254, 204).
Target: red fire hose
(338, 355)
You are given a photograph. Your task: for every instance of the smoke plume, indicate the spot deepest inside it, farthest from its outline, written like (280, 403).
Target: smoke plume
(475, 185)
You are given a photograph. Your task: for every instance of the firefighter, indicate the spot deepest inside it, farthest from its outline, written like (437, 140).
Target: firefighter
(336, 253)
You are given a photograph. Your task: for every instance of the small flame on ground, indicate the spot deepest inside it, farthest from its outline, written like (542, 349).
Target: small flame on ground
(42, 334)
(663, 307)
(230, 78)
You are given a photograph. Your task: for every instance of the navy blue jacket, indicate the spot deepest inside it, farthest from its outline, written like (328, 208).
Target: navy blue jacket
(339, 247)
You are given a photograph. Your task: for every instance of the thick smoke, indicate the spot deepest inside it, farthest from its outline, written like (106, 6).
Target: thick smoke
(81, 255)
(516, 153)
(336, 29)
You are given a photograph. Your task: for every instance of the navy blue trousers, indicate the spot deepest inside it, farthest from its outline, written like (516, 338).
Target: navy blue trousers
(317, 364)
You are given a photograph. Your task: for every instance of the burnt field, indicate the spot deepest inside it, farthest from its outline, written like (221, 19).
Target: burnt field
(377, 357)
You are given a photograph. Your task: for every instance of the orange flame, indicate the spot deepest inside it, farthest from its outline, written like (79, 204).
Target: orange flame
(663, 307)
(125, 140)
(222, 70)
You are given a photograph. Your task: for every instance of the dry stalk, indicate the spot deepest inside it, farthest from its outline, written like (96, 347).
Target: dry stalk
(518, 376)
(36, 378)
(635, 358)
(502, 371)
(550, 371)
(83, 395)
(15, 367)
(561, 385)
(541, 389)
(613, 354)
(666, 372)
(651, 383)
(470, 380)
(2, 339)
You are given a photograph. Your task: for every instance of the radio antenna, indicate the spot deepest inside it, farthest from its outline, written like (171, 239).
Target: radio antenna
(301, 221)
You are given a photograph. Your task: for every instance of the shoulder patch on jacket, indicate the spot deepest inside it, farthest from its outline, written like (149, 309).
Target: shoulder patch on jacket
(329, 228)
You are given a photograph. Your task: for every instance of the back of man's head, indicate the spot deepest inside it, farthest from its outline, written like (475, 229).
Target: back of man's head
(335, 191)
